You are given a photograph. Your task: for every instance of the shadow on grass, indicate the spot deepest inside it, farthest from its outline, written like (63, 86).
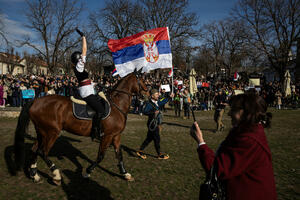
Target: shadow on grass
(78, 188)
(184, 126)
(10, 163)
(176, 124)
(63, 148)
(9, 159)
(70, 152)
(111, 173)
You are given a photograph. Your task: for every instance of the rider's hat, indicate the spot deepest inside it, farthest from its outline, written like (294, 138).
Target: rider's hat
(75, 57)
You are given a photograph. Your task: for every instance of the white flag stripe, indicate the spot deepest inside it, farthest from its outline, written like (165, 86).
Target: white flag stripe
(164, 61)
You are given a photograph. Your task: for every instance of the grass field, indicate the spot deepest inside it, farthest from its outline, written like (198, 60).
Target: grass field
(176, 178)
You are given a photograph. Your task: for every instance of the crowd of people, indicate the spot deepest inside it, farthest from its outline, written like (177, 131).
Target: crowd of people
(11, 88)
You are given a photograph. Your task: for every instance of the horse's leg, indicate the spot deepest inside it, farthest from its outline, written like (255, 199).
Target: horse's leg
(105, 142)
(119, 155)
(48, 141)
(33, 163)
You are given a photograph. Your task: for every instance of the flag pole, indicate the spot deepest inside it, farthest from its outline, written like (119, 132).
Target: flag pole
(172, 79)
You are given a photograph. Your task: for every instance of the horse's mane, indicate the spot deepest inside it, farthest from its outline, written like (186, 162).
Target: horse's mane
(119, 82)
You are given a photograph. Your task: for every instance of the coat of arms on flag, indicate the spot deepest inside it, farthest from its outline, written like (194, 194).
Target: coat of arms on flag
(148, 50)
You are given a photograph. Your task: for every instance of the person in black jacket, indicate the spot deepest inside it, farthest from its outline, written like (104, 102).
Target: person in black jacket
(152, 110)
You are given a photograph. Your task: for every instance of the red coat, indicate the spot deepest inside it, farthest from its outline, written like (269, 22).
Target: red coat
(245, 165)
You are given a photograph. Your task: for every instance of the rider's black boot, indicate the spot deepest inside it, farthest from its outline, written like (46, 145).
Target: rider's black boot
(96, 128)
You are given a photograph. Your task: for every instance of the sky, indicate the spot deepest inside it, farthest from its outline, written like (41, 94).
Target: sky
(13, 14)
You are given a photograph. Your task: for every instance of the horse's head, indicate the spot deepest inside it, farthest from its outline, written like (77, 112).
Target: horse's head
(140, 87)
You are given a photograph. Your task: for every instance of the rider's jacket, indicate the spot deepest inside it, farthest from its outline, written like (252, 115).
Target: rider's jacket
(85, 84)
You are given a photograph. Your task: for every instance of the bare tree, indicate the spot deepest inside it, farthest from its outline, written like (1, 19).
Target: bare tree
(54, 21)
(274, 26)
(31, 62)
(170, 13)
(121, 18)
(2, 28)
(214, 36)
(116, 20)
(227, 40)
(174, 15)
(204, 61)
(235, 44)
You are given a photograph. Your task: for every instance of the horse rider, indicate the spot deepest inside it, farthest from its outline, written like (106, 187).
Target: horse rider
(152, 110)
(86, 88)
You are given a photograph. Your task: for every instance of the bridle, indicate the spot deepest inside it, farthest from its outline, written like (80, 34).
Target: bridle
(129, 95)
(140, 88)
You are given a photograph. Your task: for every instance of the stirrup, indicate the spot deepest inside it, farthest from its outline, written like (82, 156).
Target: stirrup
(96, 139)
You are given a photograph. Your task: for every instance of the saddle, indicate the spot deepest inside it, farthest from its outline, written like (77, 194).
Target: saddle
(83, 111)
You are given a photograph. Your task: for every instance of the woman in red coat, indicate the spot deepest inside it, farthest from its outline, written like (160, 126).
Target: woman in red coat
(244, 161)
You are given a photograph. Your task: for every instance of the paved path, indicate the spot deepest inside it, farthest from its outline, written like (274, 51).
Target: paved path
(10, 112)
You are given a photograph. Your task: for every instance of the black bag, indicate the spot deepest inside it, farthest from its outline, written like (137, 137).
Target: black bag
(212, 188)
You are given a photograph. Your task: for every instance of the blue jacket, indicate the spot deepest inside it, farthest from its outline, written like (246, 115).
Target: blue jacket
(151, 107)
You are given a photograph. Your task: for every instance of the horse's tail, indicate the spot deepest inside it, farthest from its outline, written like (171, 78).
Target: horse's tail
(19, 146)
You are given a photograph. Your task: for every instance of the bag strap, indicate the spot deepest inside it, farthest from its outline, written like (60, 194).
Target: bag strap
(213, 170)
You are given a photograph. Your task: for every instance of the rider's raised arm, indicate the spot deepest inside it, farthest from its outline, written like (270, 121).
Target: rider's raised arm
(84, 46)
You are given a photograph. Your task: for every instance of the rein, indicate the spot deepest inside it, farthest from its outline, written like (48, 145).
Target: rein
(124, 92)
(119, 109)
(121, 91)
(113, 103)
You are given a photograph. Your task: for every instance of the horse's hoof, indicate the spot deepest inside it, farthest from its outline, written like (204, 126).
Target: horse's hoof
(86, 175)
(37, 179)
(128, 177)
(56, 182)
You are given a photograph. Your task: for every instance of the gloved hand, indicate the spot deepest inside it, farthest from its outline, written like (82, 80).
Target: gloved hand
(79, 32)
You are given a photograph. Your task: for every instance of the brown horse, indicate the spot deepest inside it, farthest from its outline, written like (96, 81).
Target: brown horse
(51, 114)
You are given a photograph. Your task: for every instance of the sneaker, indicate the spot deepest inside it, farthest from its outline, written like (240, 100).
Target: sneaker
(141, 154)
(163, 157)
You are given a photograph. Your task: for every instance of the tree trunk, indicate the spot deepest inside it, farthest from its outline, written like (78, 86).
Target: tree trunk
(297, 68)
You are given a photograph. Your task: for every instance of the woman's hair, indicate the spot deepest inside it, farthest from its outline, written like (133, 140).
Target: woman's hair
(254, 110)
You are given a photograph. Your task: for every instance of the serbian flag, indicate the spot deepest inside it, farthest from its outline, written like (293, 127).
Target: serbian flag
(236, 76)
(114, 72)
(170, 74)
(148, 50)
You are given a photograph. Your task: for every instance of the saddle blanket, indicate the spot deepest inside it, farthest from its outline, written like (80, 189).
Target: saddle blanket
(83, 111)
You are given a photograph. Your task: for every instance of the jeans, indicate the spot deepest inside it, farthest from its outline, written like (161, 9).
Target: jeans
(186, 107)
(218, 118)
(152, 135)
(16, 101)
(177, 109)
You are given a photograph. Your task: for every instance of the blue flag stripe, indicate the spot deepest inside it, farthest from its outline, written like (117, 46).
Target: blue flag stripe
(137, 51)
